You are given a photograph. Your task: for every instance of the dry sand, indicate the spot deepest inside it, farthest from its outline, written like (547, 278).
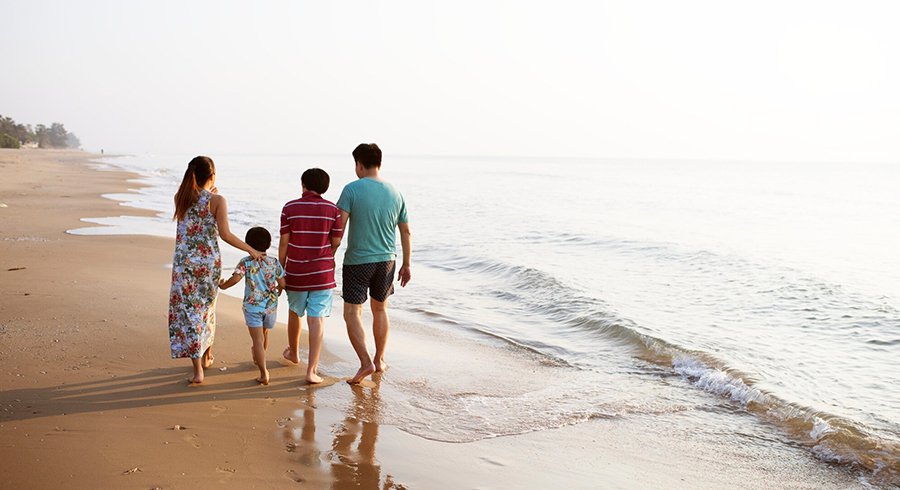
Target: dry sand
(89, 397)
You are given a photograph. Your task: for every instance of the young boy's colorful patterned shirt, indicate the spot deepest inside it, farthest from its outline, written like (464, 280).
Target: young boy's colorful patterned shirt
(260, 283)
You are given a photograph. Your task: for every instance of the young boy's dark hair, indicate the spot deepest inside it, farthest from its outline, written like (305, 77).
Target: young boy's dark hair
(258, 238)
(316, 180)
(368, 154)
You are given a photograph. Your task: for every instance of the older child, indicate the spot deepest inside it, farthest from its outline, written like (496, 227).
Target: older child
(311, 232)
(264, 281)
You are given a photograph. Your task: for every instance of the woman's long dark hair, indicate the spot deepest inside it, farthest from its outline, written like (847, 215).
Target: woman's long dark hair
(198, 173)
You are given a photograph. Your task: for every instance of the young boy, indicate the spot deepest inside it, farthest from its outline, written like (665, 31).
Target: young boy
(264, 281)
(311, 232)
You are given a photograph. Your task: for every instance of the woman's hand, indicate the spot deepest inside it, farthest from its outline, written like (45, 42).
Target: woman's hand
(256, 254)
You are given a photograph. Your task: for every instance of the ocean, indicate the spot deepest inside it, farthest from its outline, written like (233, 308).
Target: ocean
(764, 293)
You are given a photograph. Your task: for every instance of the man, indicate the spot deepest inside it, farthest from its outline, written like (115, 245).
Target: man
(373, 210)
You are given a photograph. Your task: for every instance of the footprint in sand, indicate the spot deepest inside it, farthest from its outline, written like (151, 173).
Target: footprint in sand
(193, 440)
(293, 475)
(218, 410)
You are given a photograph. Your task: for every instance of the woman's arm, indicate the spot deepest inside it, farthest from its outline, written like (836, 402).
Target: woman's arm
(220, 208)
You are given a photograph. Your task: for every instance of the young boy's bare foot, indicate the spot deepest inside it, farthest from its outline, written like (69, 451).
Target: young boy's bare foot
(290, 356)
(263, 379)
(364, 371)
(265, 339)
(313, 378)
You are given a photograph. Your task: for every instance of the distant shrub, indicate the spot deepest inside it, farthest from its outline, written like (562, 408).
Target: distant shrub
(7, 141)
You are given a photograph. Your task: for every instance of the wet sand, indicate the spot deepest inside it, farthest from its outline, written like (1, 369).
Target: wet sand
(89, 397)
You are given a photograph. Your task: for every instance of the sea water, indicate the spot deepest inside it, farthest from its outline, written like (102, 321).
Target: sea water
(765, 291)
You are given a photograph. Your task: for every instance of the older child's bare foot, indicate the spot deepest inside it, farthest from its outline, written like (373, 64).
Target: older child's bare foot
(290, 356)
(263, 379)
(313, 378)
(364, 371)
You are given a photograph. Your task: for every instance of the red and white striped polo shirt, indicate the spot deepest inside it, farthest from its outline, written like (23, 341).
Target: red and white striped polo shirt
(311, 221)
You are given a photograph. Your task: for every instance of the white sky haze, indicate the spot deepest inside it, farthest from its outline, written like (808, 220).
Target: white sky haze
(766, 80)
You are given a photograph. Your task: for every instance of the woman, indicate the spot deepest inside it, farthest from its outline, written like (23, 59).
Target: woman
(202, 217)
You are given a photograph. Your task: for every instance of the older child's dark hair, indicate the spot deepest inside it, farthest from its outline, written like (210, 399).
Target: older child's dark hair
(368, 154)
(258, 238)
(199, 171)
(316, 180)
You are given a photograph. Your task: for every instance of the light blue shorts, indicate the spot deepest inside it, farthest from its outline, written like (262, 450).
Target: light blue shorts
(257, 319)
(316, 304)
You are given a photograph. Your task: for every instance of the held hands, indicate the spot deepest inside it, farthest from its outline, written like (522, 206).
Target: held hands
(404, 275)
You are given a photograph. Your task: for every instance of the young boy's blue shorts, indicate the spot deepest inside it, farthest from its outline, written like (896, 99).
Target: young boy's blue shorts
(257, 319)
(316, 304)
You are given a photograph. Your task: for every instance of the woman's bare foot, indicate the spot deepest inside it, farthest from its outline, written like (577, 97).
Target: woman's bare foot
(290, 356)
(195, 379)
(313, 378)
(263, 378)
(207, 359)
(364, 371)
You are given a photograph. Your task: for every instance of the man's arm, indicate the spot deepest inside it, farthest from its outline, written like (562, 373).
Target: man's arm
(336, 241)
(406, 242)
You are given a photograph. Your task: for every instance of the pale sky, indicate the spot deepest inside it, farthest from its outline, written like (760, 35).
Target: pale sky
(762, 80)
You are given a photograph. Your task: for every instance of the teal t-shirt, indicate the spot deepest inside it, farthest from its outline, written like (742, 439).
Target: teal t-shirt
(375, 209)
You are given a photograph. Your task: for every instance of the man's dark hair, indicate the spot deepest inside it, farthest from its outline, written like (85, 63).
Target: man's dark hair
(316, 180)
(258, 238)
(368, 154)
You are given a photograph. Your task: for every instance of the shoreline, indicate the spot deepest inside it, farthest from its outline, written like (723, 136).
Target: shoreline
(85, 417)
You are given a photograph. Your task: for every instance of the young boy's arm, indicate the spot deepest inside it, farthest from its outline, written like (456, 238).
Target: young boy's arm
(231, 281)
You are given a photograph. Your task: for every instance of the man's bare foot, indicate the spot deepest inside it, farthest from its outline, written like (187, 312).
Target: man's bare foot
(362, 373)
(290, 356)
(313, 378)
(263, 379)
(380, 366)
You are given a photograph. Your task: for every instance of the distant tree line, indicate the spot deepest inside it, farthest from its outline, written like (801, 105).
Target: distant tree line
(13, 135)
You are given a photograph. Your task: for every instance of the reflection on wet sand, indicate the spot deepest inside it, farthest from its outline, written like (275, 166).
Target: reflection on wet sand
(350, 462)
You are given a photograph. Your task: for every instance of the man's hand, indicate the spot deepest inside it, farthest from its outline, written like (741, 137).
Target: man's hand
(404, 275)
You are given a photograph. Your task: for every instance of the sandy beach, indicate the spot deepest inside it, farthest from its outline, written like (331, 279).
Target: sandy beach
(89, 397)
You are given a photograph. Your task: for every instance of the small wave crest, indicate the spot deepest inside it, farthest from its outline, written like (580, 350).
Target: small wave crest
(578, 319)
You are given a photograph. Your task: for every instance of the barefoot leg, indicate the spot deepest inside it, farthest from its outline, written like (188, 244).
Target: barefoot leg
(316, 334)
(353, 318)
(198, 372)
(292, 352)
(207, 359)
(259, 353)
(381, 324)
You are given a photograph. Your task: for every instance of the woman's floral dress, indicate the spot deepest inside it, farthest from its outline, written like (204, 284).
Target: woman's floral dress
(195, 281)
